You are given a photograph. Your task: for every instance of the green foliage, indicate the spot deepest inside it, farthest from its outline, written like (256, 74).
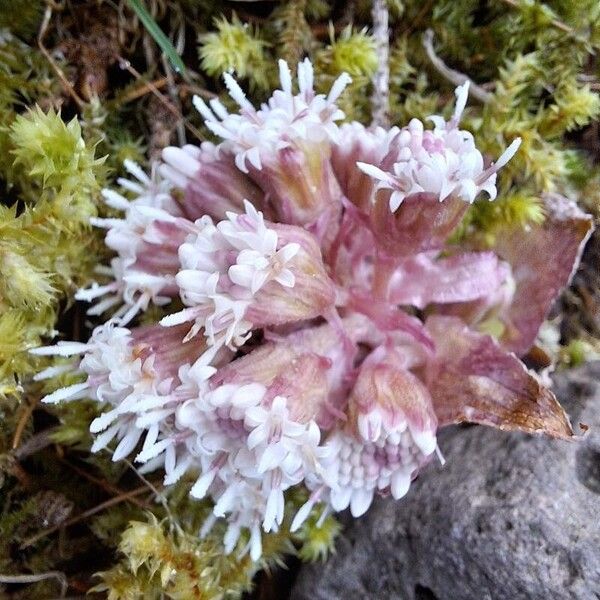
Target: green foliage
(157, 33)
(575, 353)
(514, 209)
(161, 561)
(294, 36)
(317, 538)
(352, 52)
(235, 46)
(58, 174)
(54, 155)
(20, 17)
(45, 246)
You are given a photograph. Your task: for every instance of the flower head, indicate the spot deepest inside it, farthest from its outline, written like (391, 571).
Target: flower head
(241, 273)
(444, 162)
(329, 327)
(146, 242)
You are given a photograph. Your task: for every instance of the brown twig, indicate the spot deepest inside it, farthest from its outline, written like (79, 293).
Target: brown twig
(199, 91)
(20, 428)
(455, 77)
(143, 90)
(102, 483)
(158, 496)
(84, 515)
(125, 64)
(380, 100)
(16, 470)
(59, 72)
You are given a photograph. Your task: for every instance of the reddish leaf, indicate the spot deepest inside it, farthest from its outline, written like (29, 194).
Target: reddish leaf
(472, 379)
(422, 279)
(543, 261)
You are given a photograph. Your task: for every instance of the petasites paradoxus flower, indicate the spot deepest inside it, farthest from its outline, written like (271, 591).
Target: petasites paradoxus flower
(320, 326)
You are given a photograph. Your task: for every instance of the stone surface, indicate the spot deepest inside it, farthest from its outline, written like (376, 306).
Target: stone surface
(509, 517)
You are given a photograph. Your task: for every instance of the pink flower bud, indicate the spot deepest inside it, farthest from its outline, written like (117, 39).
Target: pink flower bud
(210, 180)
(146, 241)
(312, 293)
(301, 184)
(390, 434)
(386, 398)
(355, 143)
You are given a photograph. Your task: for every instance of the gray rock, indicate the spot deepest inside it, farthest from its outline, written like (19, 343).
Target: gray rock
(509, 517)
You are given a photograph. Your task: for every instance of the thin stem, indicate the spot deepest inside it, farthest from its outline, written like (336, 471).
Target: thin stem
(125, 64)
(142, 90)
(88, 513)
(171, 86)
(380, 100)
(40, 40)
(455, 77)
(35, 577)
(160, 497)
(105, 485)
(27, 412)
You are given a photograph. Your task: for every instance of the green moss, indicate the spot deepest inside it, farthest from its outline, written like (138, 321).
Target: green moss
(235, 47)
(536, 61)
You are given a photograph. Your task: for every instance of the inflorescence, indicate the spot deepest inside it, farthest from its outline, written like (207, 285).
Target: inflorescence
(320, 325)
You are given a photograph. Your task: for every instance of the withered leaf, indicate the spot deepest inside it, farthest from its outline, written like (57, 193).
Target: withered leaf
(472, 379)
(543, 262)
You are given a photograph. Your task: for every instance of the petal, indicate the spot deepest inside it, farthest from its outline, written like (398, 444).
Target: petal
(201, 486)
(271, 458)
(400, 483)
(71, 392)
(127, 444)
(273, 510)
(248, 395)
(177, 473)
(232, 535)
(152, 451)
(340, 498)
(301, 516)
(103, 421)
(255, 416)
(226, 502)
(257, 436)
(105, 438)
(286, 278)
(255, 543)
(360, 502)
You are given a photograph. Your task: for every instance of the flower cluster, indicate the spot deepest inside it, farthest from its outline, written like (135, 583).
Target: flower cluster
(320, 326)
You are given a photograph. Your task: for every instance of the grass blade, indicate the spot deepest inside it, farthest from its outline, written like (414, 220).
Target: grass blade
(157, 33)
